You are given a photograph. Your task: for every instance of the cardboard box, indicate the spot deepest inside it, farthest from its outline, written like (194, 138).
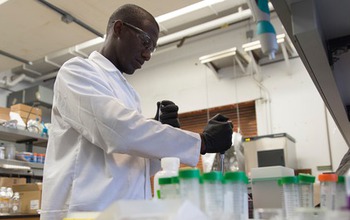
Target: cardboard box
(26, 108)
(9, 182)
(24, 116)
(5, 113)
(30, 197)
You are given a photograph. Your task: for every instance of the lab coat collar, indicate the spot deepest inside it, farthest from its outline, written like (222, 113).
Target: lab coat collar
(105, 64)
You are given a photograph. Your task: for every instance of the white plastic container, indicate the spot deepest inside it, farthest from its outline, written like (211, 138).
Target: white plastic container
(189, 185)
(306, 190)
(291, 199)
(340, 197)
(170, 167)
(328, 190)
(168, 189)
(15, 203)
(347, 188)
(213, 194)
(264, 185)
(236, 196)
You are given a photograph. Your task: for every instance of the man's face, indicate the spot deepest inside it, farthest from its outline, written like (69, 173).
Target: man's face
(135, 45)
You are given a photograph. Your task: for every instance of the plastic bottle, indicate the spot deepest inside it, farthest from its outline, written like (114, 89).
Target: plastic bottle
(291, 199)
(328, 190)
(2, 151)
(306, 189)
(3, 200)
(176, 184)
(167, 189)
(340, 194)
(189, 185)
(236, 196)
(170, 167)
(9, 195)
(347, 188)
(201, 193)
(213, 194)
(15, 203)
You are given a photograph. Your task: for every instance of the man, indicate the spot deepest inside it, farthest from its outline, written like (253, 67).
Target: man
(101, 149)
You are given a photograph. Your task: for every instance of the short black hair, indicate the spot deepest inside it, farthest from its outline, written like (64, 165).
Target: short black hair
(132, 14)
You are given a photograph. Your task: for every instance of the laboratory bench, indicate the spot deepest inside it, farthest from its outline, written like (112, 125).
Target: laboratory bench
(20, 216)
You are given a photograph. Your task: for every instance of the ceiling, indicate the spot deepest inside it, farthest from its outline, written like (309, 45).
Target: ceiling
(30, 30)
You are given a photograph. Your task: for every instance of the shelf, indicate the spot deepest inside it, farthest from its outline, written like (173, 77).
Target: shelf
(21, 136)
(19, 216)
(16, 167)
(225, 58)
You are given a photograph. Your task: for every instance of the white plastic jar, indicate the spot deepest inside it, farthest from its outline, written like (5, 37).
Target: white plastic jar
(328, 190)
(170, 167)
(213, 194)
(236, 196)
(189, 185)
(167, 188)
(306, 189)
(291, 199)
(340, 197)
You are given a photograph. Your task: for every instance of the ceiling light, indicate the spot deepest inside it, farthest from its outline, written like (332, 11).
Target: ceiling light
(3, 1)
(186, 10)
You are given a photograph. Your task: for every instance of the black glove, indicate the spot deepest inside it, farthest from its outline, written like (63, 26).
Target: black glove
(217, 135)
(167, 113)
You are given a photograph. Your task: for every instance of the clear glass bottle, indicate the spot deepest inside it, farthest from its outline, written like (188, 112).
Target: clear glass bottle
(236, 196)
(328, 190)
(340, 196)
(15, 203)
(213, 194)
(189, 185)
(306, 189)
(170, 167)
(291, 199)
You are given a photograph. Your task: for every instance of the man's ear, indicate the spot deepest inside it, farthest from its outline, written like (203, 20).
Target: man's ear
(117, 27)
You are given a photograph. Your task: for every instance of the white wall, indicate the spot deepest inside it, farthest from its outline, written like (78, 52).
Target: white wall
(295, 105)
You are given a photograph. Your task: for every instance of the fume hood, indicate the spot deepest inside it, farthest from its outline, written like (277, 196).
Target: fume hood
(319, 30)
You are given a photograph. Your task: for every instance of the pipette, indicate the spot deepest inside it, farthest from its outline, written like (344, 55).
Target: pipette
(159, 104)
(222, 159)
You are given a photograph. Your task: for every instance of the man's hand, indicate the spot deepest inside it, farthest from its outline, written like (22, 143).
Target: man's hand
(167, 113)
(217, 135)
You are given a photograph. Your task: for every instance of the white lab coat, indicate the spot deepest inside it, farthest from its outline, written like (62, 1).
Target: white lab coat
(101, 149)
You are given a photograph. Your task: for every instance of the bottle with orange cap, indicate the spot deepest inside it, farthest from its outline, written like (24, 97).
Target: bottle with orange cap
(328, 183)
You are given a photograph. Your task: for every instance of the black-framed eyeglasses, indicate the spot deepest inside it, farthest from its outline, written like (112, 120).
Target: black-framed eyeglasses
(143, 36)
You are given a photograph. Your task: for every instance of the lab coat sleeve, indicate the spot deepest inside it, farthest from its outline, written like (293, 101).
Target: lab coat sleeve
(86, 102)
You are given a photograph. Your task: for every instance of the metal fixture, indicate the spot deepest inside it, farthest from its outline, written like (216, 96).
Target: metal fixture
(68, 18)
(265, 29)
(286, 50)
(225, 58)
(15, 57)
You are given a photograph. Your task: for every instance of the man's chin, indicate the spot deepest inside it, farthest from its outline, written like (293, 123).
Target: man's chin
(130, 72)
